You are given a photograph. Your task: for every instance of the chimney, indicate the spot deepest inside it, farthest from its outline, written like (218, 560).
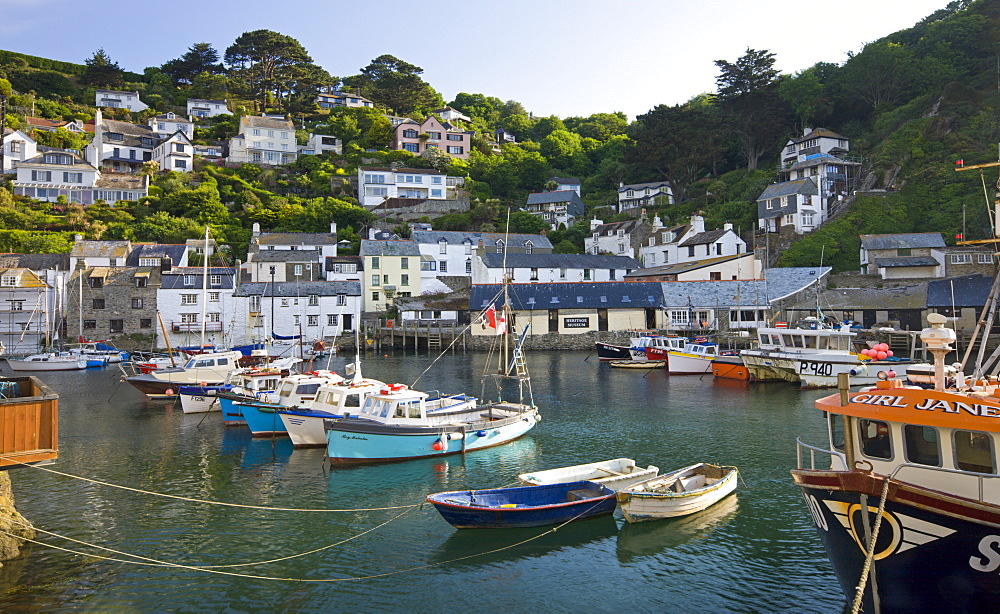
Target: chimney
(333, 228)
(256, 229)
(480, 246)
(657, 223)
(594, 223)
(697, 224)
(727, 226)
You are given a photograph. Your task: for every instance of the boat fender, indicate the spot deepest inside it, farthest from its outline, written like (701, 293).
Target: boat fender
(454, 436)
(169, 392)
(859, 370)
(480, 433)
(439, 444)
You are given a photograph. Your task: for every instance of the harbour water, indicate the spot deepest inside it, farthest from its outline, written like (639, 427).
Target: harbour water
(757, 552)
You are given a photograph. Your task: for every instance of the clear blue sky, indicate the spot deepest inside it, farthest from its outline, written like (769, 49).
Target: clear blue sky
(556, 57)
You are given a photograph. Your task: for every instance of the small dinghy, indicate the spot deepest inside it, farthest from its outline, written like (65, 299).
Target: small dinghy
(616, 474)
(524, 506)
(677, 493)
(638, 364)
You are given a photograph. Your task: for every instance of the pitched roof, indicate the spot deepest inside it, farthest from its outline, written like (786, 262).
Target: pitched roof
(174, 278)
(787, 188)
(412, 171)
(612, 228)
(100, 249)
(912, 296)
(299, 289)
(297, 238)
(197, 100)
(904, 241)
(965, 291)
(565, 180)
(77, 162)
(155, 250)
(121, 181)
(557, 196)
(905, 261)
(643, 186)
(817, 133)
(266, 122)
(489, 239)
(570, 295)
(684, 267)
(389, 248)
(35, 262)
(817, 159)
(776, 285)
(709, 236)
(558, 261)
(285, 255)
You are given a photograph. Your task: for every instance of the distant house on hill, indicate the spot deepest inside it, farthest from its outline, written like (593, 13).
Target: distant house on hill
(197, 107)
(639, 195)
(119, 100)
(264, 140)
(556, 208)
(903, 256)
(617, 238)
(417, 138)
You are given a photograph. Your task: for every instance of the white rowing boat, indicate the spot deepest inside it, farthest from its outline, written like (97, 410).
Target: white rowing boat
(616, 474)
(678, 493)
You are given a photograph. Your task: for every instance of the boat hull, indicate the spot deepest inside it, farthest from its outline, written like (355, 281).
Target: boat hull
(232, 414)
(638, 364)
(306, 428)
(607, 351)
(934, 552)
(198, 399)
(361, 441)
(642, 506)
(47, 365)
(681, 363)
(525, 506)
(616, 474)
(262, 419)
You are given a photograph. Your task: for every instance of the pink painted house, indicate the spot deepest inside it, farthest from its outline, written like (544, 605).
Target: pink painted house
(418, 138)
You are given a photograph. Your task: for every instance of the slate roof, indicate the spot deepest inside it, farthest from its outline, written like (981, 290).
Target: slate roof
(197, 100)
(132, 133)
(35, 262)
(120, 275)
(787, 188)
(174, 279)
(818, 159)
(909, 240)
(677, 231)
(965, 291)
(643, 186)
(296, 238)
(412, 171)
(489, 239)
(99, 249)
(77, 162)
(571, 295)
(155, 250)
(179, 119)
(300, 289)
(286, 255)
(565, 180)
(389, 248)
(899, 297)
(557, 261)
(776, 285)
(684, 267)
(557, 196)
(905, 261)
(702, 238)
(611, 229)
(121, 181)
(254, 121)
(817, 133)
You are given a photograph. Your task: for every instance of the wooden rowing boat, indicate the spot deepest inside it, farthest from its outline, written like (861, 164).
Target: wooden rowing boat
(616, 474)
(678, 493)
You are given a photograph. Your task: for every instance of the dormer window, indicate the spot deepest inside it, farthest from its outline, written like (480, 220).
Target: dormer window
(57, 159)
(443, 246)
(189, 280)
(527, 247)
(468, 247)
(147, 142)
(115, 136)
(500, 246)
(8, 281)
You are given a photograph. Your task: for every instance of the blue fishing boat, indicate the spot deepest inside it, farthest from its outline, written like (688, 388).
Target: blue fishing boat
(524, 506)
(261, 413)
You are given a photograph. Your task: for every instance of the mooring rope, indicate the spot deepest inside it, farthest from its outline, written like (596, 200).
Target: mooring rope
(870, 555)
(208, 502)
(157, 563)
(154, 562)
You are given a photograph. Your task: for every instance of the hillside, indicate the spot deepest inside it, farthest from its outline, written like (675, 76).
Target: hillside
(912, 103)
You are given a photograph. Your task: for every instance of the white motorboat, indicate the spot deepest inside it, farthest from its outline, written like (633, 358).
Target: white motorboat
(695, 359)
(616, 474)
(211, 368)
(49, 361)
(305, 424)
(678, 493)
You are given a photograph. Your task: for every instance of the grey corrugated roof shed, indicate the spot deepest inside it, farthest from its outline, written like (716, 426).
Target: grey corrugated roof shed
(904, 241)
(776, 285)
(965, 291)
(898, 297)
(286, 255)
(574, 295)
(489, 239)
(389, 248)
(299, 289)
(556, 261)
(905, 261)
(787, 188)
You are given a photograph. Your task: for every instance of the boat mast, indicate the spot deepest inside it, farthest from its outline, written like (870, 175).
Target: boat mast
(204, 288)
(80, 311)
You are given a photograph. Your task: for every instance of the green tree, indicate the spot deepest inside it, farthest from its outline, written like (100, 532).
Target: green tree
(200, 58)
(396, 84)
(263, 62)
(522, 222)
(806, 94)
(748, 92)
(101, 71)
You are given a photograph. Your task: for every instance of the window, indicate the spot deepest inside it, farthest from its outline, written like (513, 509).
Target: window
(377, 191)
(376, 279)
(434, 135)
(41, 175)
(875, 440)
(904, 251)
(527, 247)
(468, 248)
(213, 297)
(443, 266)
(16, 305)
(179, 147)
(189, 318)
(137, 303)
(312, 320)
(284, 302)
(411, 147)
(189, 299)
(690, 251)
(837, 431)
(404, 263)
(468, 267)
(442, 247)
(679, 317)
(500, 246)
(270, 134)
(375, 178)
(562, 273)
(89, 324)
(534, 274)
(385, 279)
(974, 452)
(331, 319)
(375, 296)
(985, 259)
(452, 149)
(189, 280)
(149, 262)
(455, 137)
(921, 445)
(255, 302)
(961, 258)
(715, 276)
(586, 274)
(73, 177)
(117, 326)
(215, 280)
(98, 303)
(8, 281)
(341, 300)
(214, 316)
(611, 274)
(375, 262)
(409, 133)
(298, 270)
(146, 323)
(436, 193)
(180, 163)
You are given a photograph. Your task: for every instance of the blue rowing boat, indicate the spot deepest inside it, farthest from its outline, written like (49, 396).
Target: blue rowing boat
(524, 506)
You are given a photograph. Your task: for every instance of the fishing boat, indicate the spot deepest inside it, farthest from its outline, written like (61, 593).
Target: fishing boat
(695, 359)
(298, 390)
(524, 506)
(730, 366)
(610, 351)
(660, 346)
(678, 493)
(97, 354)
(813, 356)
(639, 347)
(48, 361)
(210, 368)
(616, 474)
(204, 398)
(399, 423)
(251, 383)
(305, 425)
(907, 487)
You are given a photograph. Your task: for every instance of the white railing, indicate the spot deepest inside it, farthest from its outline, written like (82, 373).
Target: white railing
(800, 446)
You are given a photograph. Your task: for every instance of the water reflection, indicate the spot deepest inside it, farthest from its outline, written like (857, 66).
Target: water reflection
(644, 539)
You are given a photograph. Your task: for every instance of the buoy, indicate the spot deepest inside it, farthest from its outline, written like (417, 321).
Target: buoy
(480, 433)
(454, 436)
(891, 373)
(169, 392)
(437, 445)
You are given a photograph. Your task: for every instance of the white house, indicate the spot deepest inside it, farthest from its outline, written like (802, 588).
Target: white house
(120, 146)
(175, 152)
(264, 140)
(331, 100)
(551, 268)
(53, 174)
(169, 123)
(448, 114)
(181, 297)
(319, 144)
(617, 238)
(639, 195)
(28, 304)
(378, 184)
(317, 310)
(290, 256)
(567, 183)
(793, 203)
(197, 107)
(445, 252)
(119, 100)
(558, 208)
(17, 147)
(715, 268)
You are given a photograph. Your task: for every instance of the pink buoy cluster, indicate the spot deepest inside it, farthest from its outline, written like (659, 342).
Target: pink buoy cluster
(879, 351)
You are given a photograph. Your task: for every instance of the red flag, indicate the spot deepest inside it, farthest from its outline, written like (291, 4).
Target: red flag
(959, 236)
(960, 163)
(490, 319)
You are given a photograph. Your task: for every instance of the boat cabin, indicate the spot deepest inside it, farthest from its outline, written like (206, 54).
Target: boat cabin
(336, 398)
(940, 440)
(297, 390)
(399, 405)
(704, 349)
(800, 340)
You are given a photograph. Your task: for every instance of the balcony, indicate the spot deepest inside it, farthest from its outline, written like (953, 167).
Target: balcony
(195, 327)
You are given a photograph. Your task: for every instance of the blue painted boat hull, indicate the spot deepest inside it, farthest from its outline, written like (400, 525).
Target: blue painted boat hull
(524, 506)
(262, 419)
(354, 440)
(232, 415)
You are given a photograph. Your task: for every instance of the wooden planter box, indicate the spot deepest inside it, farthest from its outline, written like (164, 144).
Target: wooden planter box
(29, 422)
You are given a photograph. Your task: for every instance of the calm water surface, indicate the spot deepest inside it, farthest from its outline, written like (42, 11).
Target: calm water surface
(756, 552)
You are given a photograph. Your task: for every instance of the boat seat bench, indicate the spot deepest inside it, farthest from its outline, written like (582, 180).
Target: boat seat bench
(581, 494)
